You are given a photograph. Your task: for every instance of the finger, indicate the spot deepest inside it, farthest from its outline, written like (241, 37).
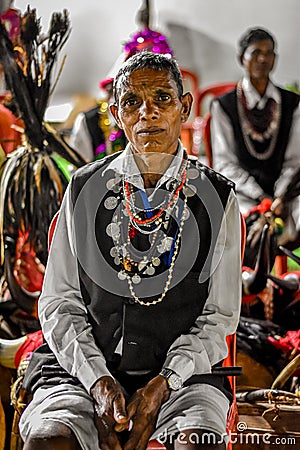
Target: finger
(132, 408)
(124, 426)
(107, 437)
(139, 438)
(119, 409)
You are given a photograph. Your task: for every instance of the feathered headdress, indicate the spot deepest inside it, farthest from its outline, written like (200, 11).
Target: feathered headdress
(34, 177)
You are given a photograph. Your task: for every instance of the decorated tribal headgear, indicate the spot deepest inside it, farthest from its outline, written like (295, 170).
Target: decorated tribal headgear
(144, 40)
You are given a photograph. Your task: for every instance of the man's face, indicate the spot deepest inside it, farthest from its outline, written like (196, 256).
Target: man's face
(150, 111)
(258, 59)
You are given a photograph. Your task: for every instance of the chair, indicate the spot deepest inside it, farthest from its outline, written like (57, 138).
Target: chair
(191, 83)
(212, 91)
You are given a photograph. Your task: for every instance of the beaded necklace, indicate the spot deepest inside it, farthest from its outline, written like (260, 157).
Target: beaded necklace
(136, 219)
(170, 271)
(160, 245)
(248, 131)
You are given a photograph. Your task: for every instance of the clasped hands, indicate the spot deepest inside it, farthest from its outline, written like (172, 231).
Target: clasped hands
(113, 415)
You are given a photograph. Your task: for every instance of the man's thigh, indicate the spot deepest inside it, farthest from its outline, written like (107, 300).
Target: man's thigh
(66, 404)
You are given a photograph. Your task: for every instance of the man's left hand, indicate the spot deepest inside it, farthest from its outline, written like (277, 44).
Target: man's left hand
(143, 410)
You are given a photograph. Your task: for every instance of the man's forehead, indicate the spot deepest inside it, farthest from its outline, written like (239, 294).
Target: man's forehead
(146, 77)
(260, 43)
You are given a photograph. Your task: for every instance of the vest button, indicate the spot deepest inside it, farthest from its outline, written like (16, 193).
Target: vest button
(131, 301)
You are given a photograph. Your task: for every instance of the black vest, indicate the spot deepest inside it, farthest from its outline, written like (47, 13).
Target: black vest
(265, 172)
(147, 331)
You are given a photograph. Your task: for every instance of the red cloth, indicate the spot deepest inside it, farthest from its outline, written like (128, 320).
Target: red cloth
(10, 139)
(33, 341)
(264, 206)
(29, 272)
(287, 343)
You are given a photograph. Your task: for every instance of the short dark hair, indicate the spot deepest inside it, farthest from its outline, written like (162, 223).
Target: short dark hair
(254, 35)
(149, 60)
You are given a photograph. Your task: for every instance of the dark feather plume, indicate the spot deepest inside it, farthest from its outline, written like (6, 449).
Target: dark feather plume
(31, 182)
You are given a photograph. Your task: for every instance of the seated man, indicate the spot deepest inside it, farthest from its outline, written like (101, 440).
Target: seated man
(142, 286)
(255, 132)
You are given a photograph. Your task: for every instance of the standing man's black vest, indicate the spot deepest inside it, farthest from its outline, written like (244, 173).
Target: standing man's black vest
(265, 172)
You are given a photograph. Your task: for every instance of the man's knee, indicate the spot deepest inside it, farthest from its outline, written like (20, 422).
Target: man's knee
(54, 436)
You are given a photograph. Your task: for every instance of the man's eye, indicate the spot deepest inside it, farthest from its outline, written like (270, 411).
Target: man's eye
(130, 102)
(164, 97)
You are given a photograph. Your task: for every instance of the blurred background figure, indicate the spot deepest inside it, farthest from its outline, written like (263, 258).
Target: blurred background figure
(255, 131)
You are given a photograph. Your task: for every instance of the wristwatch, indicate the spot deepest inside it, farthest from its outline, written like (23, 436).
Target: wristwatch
(174, 381)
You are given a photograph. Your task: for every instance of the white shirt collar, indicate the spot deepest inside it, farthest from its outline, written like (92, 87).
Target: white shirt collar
(253, 98)
(125, 165)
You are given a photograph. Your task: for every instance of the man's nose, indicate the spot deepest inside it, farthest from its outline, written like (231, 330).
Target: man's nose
(262, 57)
(148, 109)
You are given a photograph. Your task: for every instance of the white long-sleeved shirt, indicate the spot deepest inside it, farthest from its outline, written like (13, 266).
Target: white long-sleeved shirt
(63, 314)
(223, 145)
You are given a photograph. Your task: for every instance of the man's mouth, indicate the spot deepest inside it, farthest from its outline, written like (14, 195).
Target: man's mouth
(150, 131)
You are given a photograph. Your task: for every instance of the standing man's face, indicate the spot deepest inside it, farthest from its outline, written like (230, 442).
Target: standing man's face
(150, 111)
(259, 59)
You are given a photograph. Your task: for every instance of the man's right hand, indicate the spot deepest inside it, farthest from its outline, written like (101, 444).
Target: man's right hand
(109, 411)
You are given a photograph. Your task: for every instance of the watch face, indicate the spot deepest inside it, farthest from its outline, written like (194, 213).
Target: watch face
(175, 382)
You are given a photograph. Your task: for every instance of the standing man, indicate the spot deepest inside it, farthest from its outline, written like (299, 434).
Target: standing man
(142, 286)
(255, 132)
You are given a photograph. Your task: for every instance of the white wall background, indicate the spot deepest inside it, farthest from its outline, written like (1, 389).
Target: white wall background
(202, 33)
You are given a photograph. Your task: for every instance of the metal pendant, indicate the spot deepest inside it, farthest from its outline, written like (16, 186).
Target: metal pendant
(114, 252)
(136, 279)
(110, 203)
(186, 214)
(122, 275)
(192, 173)
(113, 230)
(189, 190)
(156, 261)
(150, 271)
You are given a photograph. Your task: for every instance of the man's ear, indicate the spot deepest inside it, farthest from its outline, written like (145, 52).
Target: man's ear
(115, 112)
(187, 101)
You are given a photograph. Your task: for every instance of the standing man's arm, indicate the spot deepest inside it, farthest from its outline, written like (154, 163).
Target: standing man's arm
(224, 157)
(292, 156)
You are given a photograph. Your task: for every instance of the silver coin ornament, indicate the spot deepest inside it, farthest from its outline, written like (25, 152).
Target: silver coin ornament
(113, 230)
(136, 279)
(122, 275)
(150, 271)
(110, 203)
(192, 173)
(189, 190)
(110, 183)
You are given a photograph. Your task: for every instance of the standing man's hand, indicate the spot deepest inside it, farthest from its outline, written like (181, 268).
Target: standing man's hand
(110, 412)
(143, 410)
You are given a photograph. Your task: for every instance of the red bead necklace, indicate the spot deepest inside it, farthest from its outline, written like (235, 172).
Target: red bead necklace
(159, 213)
